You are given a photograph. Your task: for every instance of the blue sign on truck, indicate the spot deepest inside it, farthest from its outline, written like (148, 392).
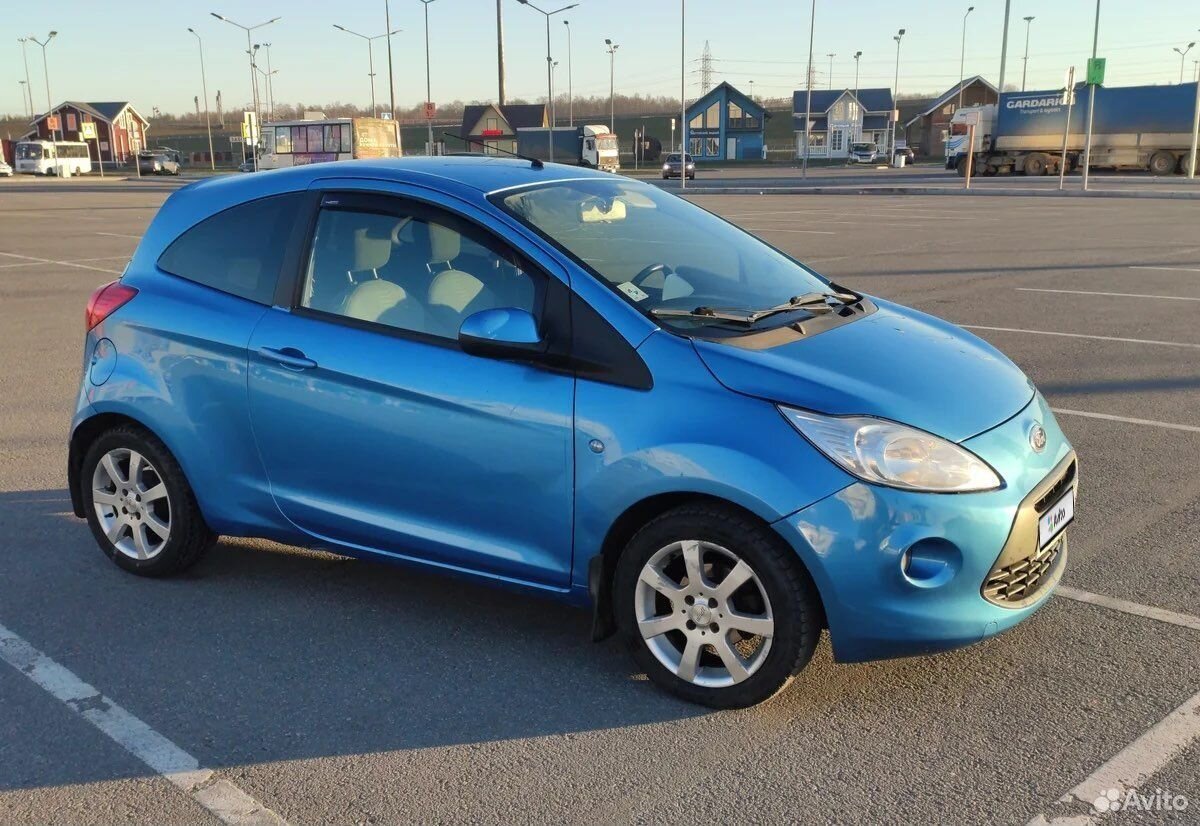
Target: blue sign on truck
(1135, 127)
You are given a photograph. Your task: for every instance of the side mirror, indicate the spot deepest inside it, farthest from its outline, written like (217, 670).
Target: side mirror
(502, 332)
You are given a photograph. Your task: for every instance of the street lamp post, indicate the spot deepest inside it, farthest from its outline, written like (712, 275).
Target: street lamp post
(1004, 46)
(270, 85)
(1087, 139)
(428, 85)
(253, 74)
(962, 56)
(212, 160)
(683, 94)
(1183, 54)
(831, 56)
(21, 84)
(370, 59)
(812, 25)
(857, 56)
(612, 89)
(28, 86)
(570, 80)
(896, 91)
(549, 61)
(46, 73)
(1025, 60)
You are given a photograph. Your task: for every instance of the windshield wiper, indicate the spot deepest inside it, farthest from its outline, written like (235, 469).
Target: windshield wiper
(812, 302)
(818, 302)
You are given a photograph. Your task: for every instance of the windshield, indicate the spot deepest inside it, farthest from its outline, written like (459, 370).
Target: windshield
(659, 251)
(607, 142)
(862, 147)
(29, 151)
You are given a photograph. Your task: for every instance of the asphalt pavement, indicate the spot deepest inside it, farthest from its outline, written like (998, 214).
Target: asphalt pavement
(311, 688)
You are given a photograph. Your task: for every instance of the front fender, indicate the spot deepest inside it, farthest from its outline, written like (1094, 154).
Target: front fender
(688, 435)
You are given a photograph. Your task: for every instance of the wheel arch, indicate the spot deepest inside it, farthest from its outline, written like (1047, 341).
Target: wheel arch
(86, 432)
(602, 566)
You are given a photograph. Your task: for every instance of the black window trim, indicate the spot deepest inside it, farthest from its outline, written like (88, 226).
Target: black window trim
(291, 285)
(618, 363)
(280, 276)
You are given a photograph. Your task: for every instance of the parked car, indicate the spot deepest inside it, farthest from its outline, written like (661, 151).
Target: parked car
(863, 152)
(672, 167)
(572, 384)
(6, 171)
(248, 166)
(157, 163)
(909, 155)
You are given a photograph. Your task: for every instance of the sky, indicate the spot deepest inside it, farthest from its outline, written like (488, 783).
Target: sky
(140, 50)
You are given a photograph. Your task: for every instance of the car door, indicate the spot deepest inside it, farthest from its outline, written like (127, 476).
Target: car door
(378, 432)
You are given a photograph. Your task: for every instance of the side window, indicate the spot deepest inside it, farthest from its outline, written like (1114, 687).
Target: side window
(417, 270)
(238, 251)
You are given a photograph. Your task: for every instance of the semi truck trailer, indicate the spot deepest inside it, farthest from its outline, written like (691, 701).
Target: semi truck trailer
(1135, 127)
(590, 145)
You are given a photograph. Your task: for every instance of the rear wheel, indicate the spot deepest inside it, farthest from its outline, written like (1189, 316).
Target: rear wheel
(960, 166)
(1185, 163)
(139, 504)
(1162, 163)
(716, 609)
(1036, 164)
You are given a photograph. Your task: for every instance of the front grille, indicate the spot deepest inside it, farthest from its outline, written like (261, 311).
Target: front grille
(1056, 490)
(1020, 580)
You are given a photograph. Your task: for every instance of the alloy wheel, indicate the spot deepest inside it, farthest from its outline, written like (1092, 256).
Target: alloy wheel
(132, 504)
(704, 614)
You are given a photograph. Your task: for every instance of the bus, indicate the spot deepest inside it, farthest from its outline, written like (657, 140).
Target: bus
(47, 157)
(300, 142)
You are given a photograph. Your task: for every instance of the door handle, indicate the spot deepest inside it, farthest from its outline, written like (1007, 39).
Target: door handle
(289, 357)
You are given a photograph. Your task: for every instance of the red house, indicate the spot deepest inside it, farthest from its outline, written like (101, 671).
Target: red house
(120, 128)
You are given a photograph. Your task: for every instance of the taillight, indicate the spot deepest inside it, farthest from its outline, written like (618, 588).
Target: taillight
(105, 301)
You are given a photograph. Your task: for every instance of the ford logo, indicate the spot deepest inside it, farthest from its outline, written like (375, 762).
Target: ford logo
(1037, 438)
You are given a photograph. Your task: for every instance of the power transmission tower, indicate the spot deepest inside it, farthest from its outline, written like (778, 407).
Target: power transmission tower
(706, 69)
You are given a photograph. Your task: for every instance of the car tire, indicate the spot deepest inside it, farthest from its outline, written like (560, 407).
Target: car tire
(777, 601)
(129, 512)
(1036, 165)
(1162, 163)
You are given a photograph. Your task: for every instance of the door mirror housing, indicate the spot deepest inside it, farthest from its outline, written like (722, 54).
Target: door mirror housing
(502, 332)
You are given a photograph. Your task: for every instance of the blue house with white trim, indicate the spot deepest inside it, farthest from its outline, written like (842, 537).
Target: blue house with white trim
(839, 117)
(725, 125)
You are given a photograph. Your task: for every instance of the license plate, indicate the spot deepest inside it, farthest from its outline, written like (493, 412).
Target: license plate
(1053, 521)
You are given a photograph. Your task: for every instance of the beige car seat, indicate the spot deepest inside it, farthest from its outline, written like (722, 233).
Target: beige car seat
(376, 299)
(450, 288)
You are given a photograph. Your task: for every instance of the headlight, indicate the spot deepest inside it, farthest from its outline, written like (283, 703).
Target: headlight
(666, 167)
(895, 455)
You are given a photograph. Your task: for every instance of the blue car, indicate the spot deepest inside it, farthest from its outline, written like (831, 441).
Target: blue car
(574, 384)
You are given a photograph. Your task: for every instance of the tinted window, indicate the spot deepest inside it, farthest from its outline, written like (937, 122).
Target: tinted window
(413, 271)
(238, 251)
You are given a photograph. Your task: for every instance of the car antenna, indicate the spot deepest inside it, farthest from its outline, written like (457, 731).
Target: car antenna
(534, 162)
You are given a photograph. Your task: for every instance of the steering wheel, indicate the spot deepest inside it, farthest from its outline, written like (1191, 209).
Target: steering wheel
(642, 277)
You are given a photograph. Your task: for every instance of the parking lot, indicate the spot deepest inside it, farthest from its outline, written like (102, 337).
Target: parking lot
(316, 688)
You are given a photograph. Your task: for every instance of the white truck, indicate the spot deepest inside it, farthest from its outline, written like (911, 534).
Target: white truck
(590, 145)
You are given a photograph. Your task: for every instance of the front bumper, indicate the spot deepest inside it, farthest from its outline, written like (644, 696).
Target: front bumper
(903, 573)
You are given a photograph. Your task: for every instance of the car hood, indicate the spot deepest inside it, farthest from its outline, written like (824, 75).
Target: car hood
(895, 363)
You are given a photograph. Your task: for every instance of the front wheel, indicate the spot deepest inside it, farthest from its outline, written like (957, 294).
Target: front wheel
(139, 505)
(716, 609)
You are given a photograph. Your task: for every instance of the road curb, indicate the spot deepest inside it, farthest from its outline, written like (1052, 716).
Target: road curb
(933, 190)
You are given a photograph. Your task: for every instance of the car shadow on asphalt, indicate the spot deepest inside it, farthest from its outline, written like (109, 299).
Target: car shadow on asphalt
(264, 652)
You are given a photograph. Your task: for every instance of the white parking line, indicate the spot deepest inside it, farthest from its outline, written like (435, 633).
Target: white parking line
(1126, 607)
(1080, 335)
(60, 263)
(1132, 766)
(221, 797)
(777, 229)
(1114, 295)
(1172, 269)
(1127, 419)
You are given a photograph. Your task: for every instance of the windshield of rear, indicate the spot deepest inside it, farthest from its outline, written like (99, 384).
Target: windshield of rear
(657, 250)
